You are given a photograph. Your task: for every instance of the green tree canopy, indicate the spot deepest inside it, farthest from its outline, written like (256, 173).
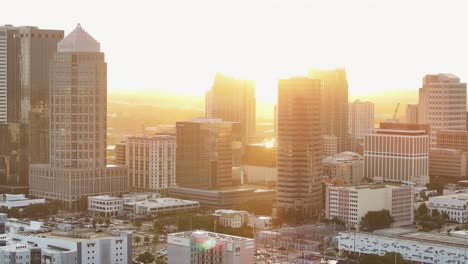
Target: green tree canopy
(374, 220)
(146, 257)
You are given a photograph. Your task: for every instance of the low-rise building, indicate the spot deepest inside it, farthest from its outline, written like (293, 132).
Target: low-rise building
(224, 198)
(260, 222)
(160, 205)
(454, 205)
(17, 201)
(105, 206)
(351, 203)
(231, 218)
(204, 247)
(447, 163)
(420, 247)
(348, 166)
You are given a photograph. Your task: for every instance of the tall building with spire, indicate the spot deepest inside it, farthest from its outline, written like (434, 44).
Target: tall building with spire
(300, 130)
(442, 104)
(335, 104)
(233, 100)
(77, 112)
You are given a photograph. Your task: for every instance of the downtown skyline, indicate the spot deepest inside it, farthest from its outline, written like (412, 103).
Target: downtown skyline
(267, 41)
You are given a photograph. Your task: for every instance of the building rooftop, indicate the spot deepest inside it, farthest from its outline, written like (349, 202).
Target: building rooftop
(78, 41)
(206, 234)
(163, 202)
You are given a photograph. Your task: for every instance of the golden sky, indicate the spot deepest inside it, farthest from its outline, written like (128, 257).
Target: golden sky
(177, 46)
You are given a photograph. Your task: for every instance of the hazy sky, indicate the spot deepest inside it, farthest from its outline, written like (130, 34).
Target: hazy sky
(177, 46)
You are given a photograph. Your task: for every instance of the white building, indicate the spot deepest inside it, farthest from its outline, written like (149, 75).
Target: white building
(17, 201)
(455, 205)
(360, 120)
(420, 247)
(348, 166)
(260, 222)
(105, 206)
(160, 205)
(397, 152)
(442, 104)
(151, 162)
(351, 203)
(199, 246)
(231, 218)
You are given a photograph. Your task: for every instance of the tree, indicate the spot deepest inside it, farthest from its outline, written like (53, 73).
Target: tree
(94, 222)
(423, 195)
(146, 239)
(376, 220)
(435, 213)
(107, 221)
(388, 258)
(161, 261)
(258, 207)
(137, 240)
(146, 257)
(100, 221)
(155, 239)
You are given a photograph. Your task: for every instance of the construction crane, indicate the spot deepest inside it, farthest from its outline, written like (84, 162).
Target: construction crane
(396, 111)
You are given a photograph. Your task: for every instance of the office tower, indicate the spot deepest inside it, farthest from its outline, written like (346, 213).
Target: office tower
(14, 158)
(335, 104)
(347, 166)
(397, 152)
(233, 100)
(300, 148)
(259, 163)
(151, 163)
(330, 145)
(447, 163)
(453, 140)
(275, 121)
(204, 155)
(442, 104)
(209, 247)
(120, 153)
(78, 108)
(10, 55)
(412, 114)
(360, 122)
(351, 203)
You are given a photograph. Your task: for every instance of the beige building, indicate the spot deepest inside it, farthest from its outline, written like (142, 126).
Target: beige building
(447, 163)
(151, 162)
(351, 203)
(412, 114)
(233, 100)
(204, 155)
(330, 145)
(348, 166)
(397, 152)
(300, 148)
(231, 218)
(442, 104)
(360, 119)
(78, 107)
(335, 99)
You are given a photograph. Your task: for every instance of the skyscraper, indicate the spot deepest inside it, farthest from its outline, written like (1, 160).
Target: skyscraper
(442, 104)
(412, 114)
(360, 120)
(78, 110)
(25, 55)
(397, 152)
(204, 155)
(299, 186)
(335, 104)
(233, 100)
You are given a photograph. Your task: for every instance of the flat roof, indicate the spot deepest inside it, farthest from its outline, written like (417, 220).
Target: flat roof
(217, 236)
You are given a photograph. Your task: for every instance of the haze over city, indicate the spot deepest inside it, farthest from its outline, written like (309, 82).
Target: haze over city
(241, 132)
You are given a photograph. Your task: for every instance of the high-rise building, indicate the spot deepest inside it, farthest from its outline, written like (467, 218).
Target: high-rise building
(233, 100)
(330, 145)
(397, 152)
(151, 162)
(120, 153)
(14, 158)
(442, 104)
(78, 108)
(412, 114)
(351, 203)
(300, 147)
(335, 104)
(10, 78)
(204, 155)
(360, 122)
(208, 247)
(454, 139)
